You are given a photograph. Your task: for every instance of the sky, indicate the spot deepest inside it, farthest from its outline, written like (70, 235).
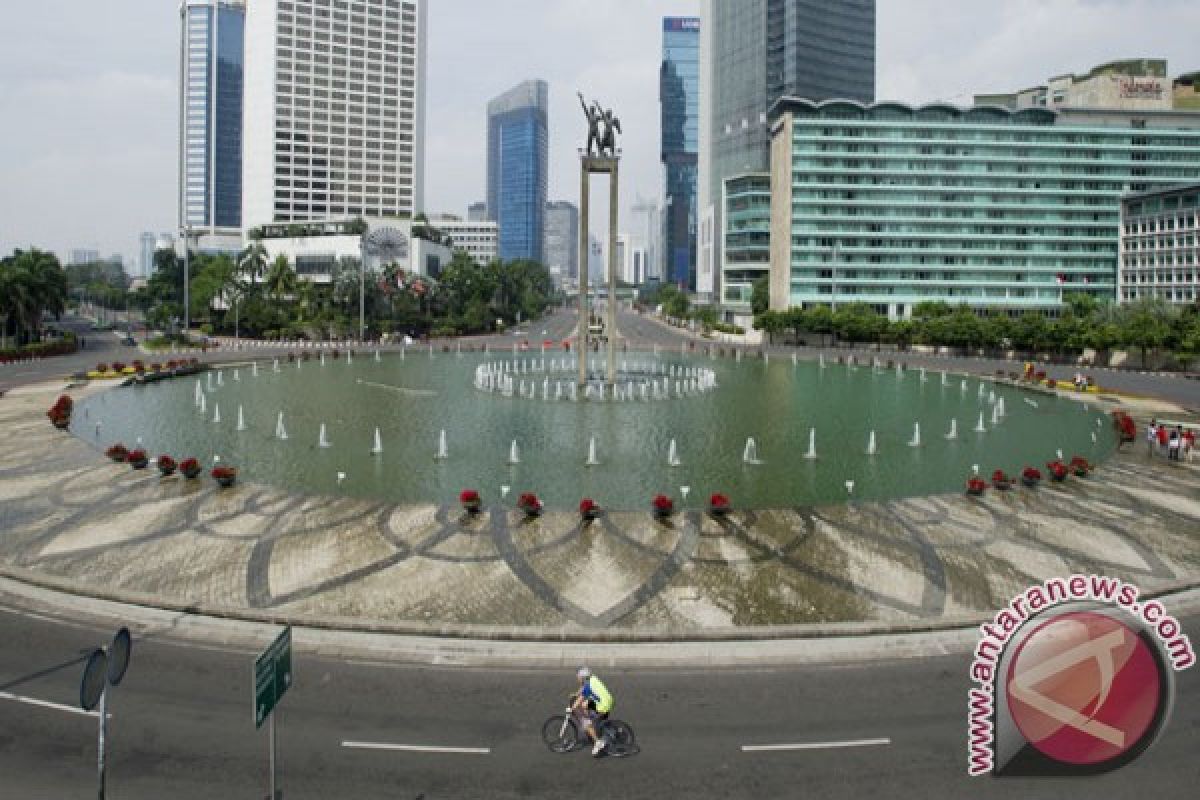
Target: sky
(89, 95)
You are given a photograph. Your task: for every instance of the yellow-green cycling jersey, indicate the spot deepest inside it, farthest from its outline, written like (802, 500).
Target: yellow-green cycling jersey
(595, 691)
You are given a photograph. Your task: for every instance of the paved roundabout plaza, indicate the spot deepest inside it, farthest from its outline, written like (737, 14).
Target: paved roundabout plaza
(875, 532)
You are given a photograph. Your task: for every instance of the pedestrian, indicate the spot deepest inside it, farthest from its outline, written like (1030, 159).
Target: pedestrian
(1173, 444)
(1151, 437)
(1164, 439)
(1189, 443)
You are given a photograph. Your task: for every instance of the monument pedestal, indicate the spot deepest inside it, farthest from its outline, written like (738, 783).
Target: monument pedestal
(588, 166)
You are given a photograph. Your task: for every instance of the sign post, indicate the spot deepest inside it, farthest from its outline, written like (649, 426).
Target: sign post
(272, 677)
(104, 670)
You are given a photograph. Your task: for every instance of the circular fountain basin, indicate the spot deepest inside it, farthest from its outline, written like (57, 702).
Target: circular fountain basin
(784, 407)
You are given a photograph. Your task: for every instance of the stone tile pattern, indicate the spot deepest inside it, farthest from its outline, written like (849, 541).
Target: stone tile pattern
(66, 511)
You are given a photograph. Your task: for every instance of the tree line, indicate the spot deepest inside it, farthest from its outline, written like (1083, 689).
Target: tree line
(261, 297)
(1148, 326)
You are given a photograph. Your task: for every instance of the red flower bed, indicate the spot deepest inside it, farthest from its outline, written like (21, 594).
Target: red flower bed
(1057, 469)
(718, 503)
(1080, 466)
(118, 453)
(166, 464)
(60, 412)
(663, 505)
(224, 475)
(190, 467)
(1031, 476)
(588, 508)
(137, 458)
(529, 503)
(470, 500)
(1000, 480)
(976, 485)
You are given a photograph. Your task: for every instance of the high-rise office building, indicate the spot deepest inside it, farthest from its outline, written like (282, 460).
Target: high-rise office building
(335, 110)
(83, 255)
(561, 252)
(678, 95)
(982, 206)
(477, 211)
(146, 247)
(648, 228)
(517, 173)
(754, 52)
(211, 80)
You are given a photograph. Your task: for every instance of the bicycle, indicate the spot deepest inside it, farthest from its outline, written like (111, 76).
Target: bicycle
(564, 733)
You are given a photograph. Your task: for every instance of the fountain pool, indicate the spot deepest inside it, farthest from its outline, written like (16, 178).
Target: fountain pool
(411, 402)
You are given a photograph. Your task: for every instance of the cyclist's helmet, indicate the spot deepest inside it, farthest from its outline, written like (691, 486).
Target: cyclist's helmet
(583, 674)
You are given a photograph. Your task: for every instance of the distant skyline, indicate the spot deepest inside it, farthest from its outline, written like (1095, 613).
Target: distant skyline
(88, 91)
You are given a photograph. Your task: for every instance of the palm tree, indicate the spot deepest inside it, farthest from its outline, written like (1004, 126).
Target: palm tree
(32, 283)
(281, 279)
(252, 262)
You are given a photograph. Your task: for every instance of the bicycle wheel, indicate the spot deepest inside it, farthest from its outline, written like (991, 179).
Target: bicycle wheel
(560, 734)
(620, 737)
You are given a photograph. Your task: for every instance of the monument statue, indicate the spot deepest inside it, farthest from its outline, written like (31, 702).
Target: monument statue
(612, 126)
(600, 141)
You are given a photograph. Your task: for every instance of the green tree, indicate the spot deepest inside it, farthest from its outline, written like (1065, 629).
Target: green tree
(760, 295)
(281, 279)
(32, 284)
(858, 322)
(1146, 325)
(819, 320)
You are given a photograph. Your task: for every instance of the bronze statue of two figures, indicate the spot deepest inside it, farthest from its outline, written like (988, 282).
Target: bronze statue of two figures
(603, 128)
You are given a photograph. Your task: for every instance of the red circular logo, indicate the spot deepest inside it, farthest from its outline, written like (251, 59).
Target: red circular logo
(1085, 688)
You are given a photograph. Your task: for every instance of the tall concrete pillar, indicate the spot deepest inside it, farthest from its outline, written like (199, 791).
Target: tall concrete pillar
(582, 346)
(612, 275)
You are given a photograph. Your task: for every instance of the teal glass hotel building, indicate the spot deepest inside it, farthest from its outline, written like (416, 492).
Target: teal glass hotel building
(892, 205)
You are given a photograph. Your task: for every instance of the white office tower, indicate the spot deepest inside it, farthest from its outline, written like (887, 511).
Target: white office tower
(335, 110)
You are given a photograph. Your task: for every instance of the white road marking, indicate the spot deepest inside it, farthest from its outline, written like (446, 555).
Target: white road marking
(761, 748)
(33, 701)
(418, 748)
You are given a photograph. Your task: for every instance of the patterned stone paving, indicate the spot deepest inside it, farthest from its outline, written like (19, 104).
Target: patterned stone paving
(67, 512)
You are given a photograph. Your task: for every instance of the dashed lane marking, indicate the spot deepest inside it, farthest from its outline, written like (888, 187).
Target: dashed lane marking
(418, 748)
(768, 748)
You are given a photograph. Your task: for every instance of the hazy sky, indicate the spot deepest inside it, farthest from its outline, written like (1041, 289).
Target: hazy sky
(88, 94)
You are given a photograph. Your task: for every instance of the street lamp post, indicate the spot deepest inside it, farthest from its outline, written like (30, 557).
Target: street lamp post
(187, 256)
(362, 282)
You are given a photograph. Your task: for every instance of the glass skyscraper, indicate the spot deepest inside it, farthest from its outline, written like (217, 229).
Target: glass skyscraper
(891, 205)
(212, 55)
(517, 169)
(758, 51)
(679, 93)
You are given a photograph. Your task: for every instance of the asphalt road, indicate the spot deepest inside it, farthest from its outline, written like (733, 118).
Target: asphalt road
(181, 727)
(639, 331)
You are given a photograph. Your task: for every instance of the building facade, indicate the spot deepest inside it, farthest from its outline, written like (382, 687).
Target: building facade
(81, 255)
(755, 52)
(334, 110)
(478, 239)
(561, 250)
(746, 207)
(147, 243)
(1160, 245)
(477, 211)
(1136, 84)
(892, 205)
(211, 83)
(679, 100)
(517, 172)
(648, 228)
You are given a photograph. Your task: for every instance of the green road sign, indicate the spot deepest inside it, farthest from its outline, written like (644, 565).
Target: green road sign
(272, 676)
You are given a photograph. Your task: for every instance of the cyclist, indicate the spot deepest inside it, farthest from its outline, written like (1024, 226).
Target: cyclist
(594, 701)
